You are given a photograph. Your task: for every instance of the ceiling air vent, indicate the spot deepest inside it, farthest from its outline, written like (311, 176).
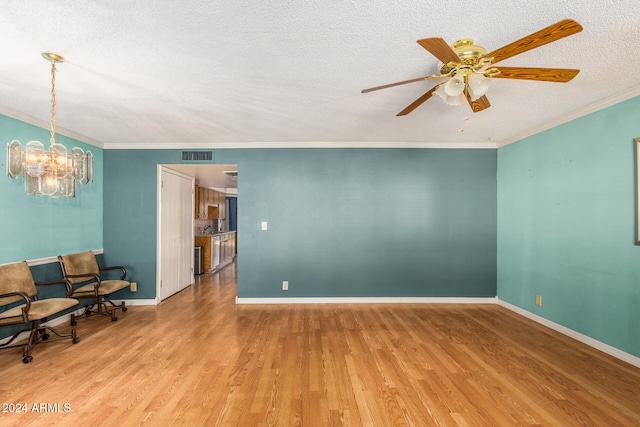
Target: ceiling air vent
(197, 155)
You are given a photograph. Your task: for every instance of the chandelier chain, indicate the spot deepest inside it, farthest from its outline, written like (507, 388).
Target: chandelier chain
(53, 103)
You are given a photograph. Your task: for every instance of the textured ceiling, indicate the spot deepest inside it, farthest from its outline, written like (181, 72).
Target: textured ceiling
(206, 73)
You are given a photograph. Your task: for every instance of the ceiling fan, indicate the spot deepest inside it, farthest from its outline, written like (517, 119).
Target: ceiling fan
(469, 67)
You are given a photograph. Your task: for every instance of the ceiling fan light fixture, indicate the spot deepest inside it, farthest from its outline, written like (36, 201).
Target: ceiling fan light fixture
(455, 100)
(469, 67)
(478, 85)
(455, 85)
(448, 99)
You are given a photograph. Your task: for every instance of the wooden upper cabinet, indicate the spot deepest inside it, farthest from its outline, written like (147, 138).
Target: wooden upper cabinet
(204, 198)
(202, 204)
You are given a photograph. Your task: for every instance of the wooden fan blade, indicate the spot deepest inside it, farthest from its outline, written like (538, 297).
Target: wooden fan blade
(415, 104)
(440, 49)
(395, 84)
(550, 34)
(561, 75)
(479, 104)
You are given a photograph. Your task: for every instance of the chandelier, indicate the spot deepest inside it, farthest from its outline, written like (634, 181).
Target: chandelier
(53, 172)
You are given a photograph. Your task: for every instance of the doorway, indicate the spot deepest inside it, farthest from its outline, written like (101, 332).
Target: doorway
(220, 177)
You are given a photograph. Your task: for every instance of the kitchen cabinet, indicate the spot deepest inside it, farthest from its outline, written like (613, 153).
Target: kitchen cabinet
(227, 248)
(205, 243)
(209, 204)
(218, 250)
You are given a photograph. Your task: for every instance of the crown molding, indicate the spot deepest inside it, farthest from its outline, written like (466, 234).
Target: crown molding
(297, 144)
(592, 108)
(45, 125)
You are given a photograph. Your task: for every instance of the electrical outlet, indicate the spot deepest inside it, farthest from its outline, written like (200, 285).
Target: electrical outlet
(134, 287)
(539, 300)
(285, 286)
(264, 226)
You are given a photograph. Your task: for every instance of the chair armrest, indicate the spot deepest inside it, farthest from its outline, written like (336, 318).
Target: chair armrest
(66, 282)
(27, 301)
(116, 267)
(88, 276)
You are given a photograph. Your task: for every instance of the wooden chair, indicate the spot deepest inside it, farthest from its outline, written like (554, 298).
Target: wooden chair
(17, 285)
(81, 269)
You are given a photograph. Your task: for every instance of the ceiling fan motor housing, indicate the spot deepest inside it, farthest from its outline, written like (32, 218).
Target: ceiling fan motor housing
(468, 52)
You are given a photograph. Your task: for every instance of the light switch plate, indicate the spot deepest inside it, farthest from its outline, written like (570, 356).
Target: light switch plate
(264, 225)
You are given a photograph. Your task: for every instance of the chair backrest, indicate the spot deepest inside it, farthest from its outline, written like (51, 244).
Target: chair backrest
(16, 277)
(77, 264)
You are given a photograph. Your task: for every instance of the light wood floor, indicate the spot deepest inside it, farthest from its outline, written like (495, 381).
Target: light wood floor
(198, 359)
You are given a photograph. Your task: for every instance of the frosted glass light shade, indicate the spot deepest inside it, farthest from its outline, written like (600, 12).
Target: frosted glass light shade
(14, 159)
(478, 86)
(455, 85)
(78, 163)
(455, 100)
(35, 158)
(49, 185)
(450, 100)
(58, 161)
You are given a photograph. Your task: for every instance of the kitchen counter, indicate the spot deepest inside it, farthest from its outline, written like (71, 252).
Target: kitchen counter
(217, 233)
(219, 249)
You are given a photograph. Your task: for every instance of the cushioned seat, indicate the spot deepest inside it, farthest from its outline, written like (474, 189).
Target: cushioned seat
(39, 310)
(17, 285)
(106, 287)
(82, 271)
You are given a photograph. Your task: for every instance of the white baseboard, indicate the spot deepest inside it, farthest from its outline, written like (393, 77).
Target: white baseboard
(368, 300)
(598, 345)
(131, 302)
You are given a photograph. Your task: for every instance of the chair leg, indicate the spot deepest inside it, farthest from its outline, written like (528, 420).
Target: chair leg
(111, 310)
(100, 307)
(34, 337)
(86, 313)
(121, 306)
(39, 333)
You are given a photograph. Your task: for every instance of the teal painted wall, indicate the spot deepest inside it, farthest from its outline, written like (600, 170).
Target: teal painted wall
(342, 222)
(34, 227)
(566, 225)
